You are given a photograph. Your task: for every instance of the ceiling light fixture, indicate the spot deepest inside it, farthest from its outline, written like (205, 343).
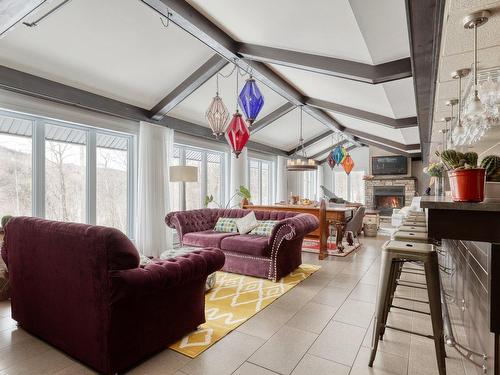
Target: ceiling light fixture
(459, 129)
(451, 103)
(251, 100)
(299, 161)
(237, 133)
(217, 114)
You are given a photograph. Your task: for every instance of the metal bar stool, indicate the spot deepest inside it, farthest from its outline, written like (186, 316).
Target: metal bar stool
(419, 218)
(411, 228)
(394, 254)
(420, 237)
(415, 223)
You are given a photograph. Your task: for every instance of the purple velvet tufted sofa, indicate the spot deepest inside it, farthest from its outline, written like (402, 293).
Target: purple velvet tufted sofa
(270, 257)
(80, 288)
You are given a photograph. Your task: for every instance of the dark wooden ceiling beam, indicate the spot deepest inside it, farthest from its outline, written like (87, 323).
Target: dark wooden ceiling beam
(193, 22)
(351, 70)
(41, 88)
(314, 140)
(389, 122)
(188, 86)
(425, 26)
(393, 144)
(271, 117)
(388, 148)
(318, 154)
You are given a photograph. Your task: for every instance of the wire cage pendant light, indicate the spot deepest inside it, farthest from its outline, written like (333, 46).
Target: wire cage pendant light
(299, 161)
(217, 114)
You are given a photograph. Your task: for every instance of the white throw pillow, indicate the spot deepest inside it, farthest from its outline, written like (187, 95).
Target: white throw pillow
(247, 223)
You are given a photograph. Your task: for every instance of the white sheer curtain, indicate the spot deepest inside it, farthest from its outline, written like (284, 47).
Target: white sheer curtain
(321, 181)
(281, 179)
(239, 174)
(156, 144)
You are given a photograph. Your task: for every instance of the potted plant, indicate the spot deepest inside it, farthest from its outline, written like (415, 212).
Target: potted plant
(242, 192)
(466, 179)
(436, 170)
(491, 164)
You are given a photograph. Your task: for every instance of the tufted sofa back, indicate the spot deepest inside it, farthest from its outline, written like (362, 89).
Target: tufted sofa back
(205, 218)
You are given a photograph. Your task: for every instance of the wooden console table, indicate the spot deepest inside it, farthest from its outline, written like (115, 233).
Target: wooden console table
(327, 216)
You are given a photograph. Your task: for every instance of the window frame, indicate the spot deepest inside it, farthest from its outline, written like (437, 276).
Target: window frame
(203, 172)
(38, 165)
(348, 185)
(271, 173)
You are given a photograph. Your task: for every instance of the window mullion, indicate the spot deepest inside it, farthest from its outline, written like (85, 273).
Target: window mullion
(91, 179)
(38, 174)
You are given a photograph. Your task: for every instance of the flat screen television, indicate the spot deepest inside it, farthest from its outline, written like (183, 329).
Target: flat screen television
(389, 165)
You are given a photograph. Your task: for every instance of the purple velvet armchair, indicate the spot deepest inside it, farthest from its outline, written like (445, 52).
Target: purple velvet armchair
(80, 288)
(270, 257)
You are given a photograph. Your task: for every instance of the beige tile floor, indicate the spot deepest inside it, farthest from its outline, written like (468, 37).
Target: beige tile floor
(323, 326)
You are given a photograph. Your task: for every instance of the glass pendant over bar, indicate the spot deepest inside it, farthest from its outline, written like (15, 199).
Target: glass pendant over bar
(217, 114)
(237, 134)
(250, 100)
(299, 160)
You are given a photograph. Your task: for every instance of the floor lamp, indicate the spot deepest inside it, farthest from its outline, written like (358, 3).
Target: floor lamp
(183, 174)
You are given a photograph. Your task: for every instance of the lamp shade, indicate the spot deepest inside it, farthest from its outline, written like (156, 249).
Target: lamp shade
(183, 173)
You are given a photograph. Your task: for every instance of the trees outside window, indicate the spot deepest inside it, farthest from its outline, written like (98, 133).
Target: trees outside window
(15, 166)
(211, 177)
(260, 181)
(112, 187)
(65, 172)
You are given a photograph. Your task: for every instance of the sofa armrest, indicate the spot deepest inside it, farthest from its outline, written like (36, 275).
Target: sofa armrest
(191, 221)
(294, 227)
(162, 275)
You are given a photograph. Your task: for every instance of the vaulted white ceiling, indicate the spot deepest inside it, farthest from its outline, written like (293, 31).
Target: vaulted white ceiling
(122, 50)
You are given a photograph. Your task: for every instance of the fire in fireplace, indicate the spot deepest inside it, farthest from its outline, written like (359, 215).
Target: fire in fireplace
(387, 198)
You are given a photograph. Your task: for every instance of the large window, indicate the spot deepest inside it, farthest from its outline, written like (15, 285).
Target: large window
(211, 169)
(350, 187)
(310, 184)
(15, 166)
(260, 181)
(65, 172)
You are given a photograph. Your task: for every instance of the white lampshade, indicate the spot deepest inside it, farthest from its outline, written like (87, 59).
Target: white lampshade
(183, 173)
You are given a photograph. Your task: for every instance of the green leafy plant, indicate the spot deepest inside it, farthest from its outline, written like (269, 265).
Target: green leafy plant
(242, 192)
(434, 169)
(5, 220)
(453, 159)
(492, 165)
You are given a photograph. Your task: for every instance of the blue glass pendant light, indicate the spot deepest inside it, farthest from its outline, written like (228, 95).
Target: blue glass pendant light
(250, 100)
(338, 155)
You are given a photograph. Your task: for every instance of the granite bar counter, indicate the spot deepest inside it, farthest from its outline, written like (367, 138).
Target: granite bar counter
(470, 274)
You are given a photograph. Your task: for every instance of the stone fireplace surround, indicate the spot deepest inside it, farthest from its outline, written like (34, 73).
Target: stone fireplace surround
(409, 183)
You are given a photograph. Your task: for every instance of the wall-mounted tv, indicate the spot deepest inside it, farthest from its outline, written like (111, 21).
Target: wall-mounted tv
(389, 165)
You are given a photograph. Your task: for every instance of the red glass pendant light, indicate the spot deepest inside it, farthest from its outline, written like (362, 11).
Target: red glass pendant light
(237, 133)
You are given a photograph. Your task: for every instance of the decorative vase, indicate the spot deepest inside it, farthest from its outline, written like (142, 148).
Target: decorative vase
(439, 187)
(244, 202)
(467, 185)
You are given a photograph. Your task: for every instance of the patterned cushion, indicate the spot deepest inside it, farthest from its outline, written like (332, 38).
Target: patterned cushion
(246, 223)
(265, 227)
(226, 224)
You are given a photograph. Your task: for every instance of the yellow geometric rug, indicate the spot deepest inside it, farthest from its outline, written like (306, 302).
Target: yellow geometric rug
(233, 300)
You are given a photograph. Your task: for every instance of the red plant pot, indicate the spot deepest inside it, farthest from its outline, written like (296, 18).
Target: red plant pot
(467, 185)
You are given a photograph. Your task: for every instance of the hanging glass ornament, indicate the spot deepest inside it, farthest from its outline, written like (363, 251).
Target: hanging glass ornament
(217, 116)
(330, 161)
(250, 100)
(348, 164)
(237, 133)
(344, 151)
(338, 155)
